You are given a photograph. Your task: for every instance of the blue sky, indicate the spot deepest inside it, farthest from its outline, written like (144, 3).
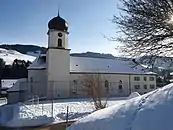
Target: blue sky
(25, 21)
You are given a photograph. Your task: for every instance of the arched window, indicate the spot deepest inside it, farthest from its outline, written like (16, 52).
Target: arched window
(120, 86)
(75, 87)
(107, 85)
(59, 42)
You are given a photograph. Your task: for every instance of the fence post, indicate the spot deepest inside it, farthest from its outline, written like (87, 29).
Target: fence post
(52, 107)
(42, 108)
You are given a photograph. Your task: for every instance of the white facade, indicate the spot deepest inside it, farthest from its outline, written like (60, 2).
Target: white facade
(58, 64)
(119, 84)
(53, 38)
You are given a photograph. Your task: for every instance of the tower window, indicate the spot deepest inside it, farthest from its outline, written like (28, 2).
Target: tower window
(120, 87)
(59, 42)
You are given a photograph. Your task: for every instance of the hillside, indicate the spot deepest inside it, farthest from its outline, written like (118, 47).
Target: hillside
(93, 55)
(10, 55)
(32, 50)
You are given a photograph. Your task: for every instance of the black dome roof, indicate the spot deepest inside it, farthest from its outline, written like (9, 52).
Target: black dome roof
(58, 23)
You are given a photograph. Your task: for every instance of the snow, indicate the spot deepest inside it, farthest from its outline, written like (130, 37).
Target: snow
(85, 64)
(19, 85)
(171, 73)
(8, 83)
(133, 95)
(37, 121)
(152, 111)
(19, 114)
(35, 54)
(10, 55)
(38, 63)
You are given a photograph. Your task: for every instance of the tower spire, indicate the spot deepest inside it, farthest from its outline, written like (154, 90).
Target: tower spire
(58, 12)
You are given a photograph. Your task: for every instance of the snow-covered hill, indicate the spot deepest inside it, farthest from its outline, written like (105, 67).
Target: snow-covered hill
(152, 111)
(10, 55)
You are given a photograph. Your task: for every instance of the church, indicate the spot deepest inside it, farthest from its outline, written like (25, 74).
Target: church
(56, 74)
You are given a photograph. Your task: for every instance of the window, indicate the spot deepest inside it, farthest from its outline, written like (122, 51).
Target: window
(137, 86)
(59, 42)
(145, 86)
(145, 78)
(137, 78)
(152, 86)
(120, 87)
(74, 87)
(120, 81)
(107, 85)
(31, 79)
(151, 78)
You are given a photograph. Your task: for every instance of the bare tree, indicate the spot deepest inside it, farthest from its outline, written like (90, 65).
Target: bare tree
(146, 28)
(97, 89)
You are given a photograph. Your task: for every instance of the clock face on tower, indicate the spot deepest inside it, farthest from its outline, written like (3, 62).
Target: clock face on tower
(60, 34)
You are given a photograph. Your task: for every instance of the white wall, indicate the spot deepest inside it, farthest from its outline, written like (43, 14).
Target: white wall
(114, 82)
(58, 69)
(37, 82)
(37, 75)
(53, 39)
(142, 83)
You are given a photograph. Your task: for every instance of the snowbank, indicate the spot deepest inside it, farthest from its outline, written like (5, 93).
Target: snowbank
(152, 111)
(133, 95)
(23, 122)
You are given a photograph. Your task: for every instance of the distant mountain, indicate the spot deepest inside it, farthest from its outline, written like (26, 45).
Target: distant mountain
(33, 50)
(23, 48)
(94, 55)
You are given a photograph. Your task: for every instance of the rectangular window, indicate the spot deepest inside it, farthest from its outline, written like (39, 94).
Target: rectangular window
(145, 86)
(152, 86)
(151, 78)
(137, 78)
(137, 86)
(145, 78)
(120, 87)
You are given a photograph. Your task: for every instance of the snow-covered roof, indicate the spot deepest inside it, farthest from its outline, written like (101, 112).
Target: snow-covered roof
(18, 86)
(39, 62)
(7, 83)
(171, 73)
(96, 65)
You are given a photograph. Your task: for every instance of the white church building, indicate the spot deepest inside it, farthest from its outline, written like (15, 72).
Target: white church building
(56, 74)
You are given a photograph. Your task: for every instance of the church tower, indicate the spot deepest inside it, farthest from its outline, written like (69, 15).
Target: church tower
(58, 58)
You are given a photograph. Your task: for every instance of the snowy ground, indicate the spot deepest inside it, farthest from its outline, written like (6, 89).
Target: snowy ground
(152, 111)
(22, 114)
(10, 55)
